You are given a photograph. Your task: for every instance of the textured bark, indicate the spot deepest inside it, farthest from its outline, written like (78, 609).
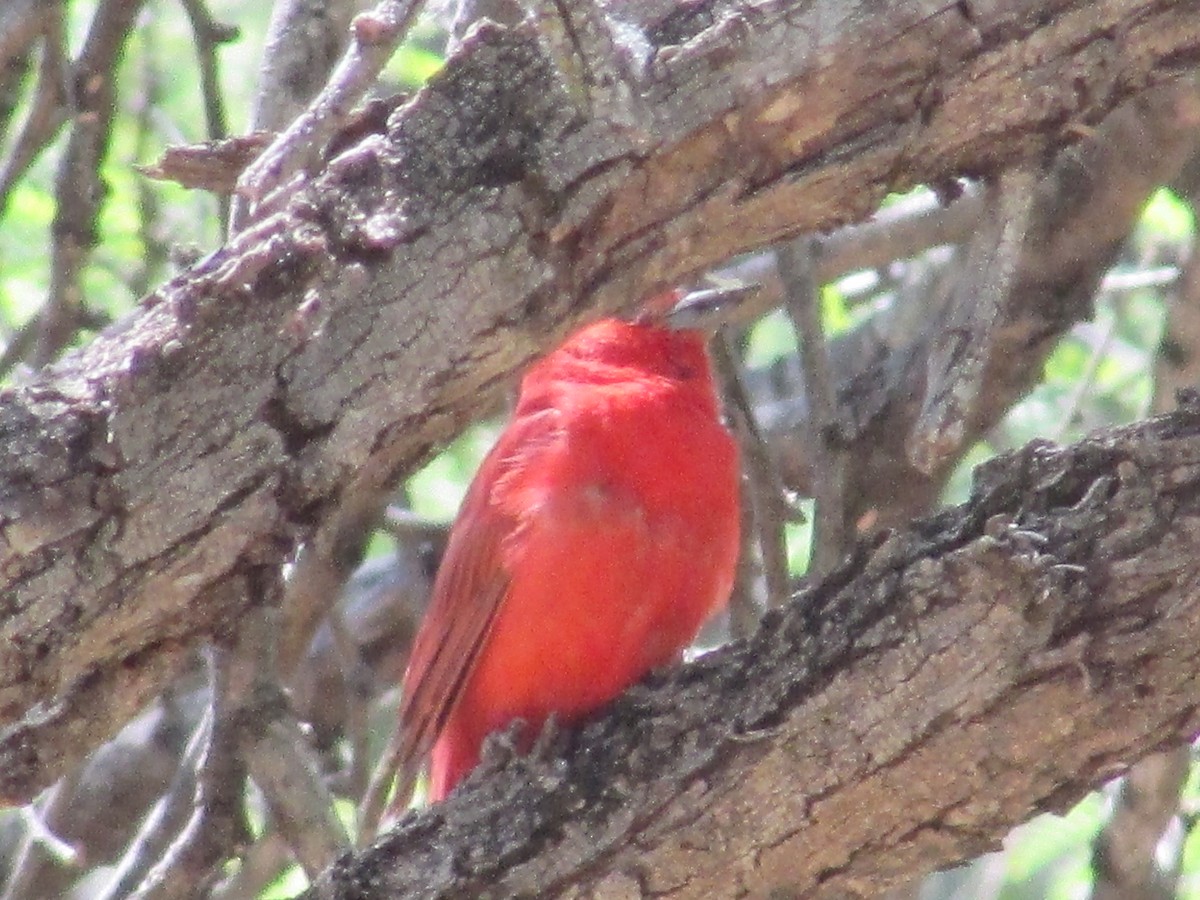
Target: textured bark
(1002, 657)
(1087, 203)
(147, 480)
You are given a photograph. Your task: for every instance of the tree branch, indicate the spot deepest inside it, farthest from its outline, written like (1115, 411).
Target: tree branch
(142, 477)
(1004, 656)
(1088, 202)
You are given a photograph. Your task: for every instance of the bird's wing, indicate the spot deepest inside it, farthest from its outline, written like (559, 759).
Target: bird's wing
(469, 590)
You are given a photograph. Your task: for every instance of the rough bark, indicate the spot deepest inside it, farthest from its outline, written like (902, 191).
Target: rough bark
(1002, 657)
(149, 479)
(1087, 203)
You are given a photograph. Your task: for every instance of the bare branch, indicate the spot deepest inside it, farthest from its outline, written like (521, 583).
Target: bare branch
(209, 36)
(375, 37)
(203, 437)
(217, 825)
(22, 22)
(166, 819)
(1088, 202)
(831, 535)
(47, 110)
(78, 189)
(283, 766)
(959, 355)
(920, 681)
(763, 503)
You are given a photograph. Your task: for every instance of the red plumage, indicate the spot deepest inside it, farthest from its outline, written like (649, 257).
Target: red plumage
(599, 534)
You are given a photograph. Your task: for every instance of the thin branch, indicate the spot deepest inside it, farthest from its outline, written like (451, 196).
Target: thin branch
(321, 571)
(958, 358)
(745, 606)
(47, 111)
(208, 36)
(78, 187)
(22, 22)
(1086, 381)
(386, 780)
(261, 865)
(375, 37)
(1125, 853)
(831, 531)
(19, 345)
(154, 248)
(902, 230)
(40, 840)
(165, 820)
(356, 679)
(217, 824)
(282, 764)
(766, 506)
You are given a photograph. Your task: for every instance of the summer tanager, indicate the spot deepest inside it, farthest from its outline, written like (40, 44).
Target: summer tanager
(599, 534)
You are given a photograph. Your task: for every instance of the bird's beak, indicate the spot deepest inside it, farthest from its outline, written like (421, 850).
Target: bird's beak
(708, 309)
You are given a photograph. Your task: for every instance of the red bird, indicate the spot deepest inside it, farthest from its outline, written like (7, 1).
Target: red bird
(599, 534)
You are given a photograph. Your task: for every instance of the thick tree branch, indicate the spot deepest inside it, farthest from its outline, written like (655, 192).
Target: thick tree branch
(1088, 202)
(1001, 657)
(142, 477)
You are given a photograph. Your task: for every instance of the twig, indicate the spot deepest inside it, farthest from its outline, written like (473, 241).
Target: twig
(901, 231)
(40, 841)
(385, 780)
(405, 525)
(356, 680)
(155, 249)
(164, 821)
(261, 865)
(304, 41)
(374, 38)
(19, 345)
(22, 22)
(209, 35)
(831, 535)
(745, 604)
(217, 824)
(276, 754)
(321, 571)
(1086, 381)
(47, 111)
(380, 608)
(768, 507)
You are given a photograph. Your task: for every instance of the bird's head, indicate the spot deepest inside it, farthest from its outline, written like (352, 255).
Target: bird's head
(666, 340)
